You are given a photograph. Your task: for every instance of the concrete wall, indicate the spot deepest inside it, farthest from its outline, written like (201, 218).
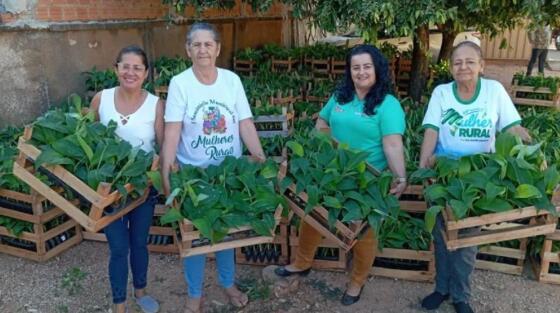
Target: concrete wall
(42, 61)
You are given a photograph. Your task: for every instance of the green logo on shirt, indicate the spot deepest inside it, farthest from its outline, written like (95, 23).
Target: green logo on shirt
(473, 124)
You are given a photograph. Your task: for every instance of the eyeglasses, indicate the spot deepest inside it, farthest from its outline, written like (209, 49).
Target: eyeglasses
(207, 45)
(124, 67)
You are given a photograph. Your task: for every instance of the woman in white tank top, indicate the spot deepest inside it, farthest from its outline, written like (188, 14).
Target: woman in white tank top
(139, 118)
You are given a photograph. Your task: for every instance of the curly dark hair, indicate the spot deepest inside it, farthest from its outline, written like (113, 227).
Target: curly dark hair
(345, 90)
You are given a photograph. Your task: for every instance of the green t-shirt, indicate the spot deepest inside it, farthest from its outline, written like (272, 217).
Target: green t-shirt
(349, 124)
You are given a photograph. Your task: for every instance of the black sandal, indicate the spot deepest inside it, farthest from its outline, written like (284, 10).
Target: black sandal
(349, 300)
(283, 272)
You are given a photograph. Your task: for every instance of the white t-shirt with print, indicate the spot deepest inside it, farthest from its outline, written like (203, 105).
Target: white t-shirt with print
(467, 128)
(210, 116)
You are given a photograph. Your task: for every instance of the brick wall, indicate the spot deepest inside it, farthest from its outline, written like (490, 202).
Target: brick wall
(102, 10)
(84, 10)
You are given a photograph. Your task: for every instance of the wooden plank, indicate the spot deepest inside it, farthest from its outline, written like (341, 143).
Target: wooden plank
(406, 254)
(503, 252)
(225, 245)
(499, 235)
(421, 276)
(22, 197)
(499, 267)
(88, 235)
(64, 175)
(493, 218)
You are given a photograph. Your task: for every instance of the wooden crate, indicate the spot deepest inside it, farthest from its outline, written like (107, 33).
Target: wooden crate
(320, 68)
(41, 244)
(161, 91)
(99, 200)
(345, 235)
(275, 125)
(161, 239)
(288, 65)
(337, 68)
(499, 226)
(244, 66)
(402, 76)
(192, 244)
(502, 259)
(412, 199)
(519, 96)
(547, 258)
(274, 253)
(405, 264)
(338, 262)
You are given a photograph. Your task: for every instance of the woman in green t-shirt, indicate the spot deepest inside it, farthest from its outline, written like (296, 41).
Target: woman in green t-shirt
(363, 114)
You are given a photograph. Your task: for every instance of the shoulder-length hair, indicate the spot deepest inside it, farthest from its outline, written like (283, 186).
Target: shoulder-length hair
(345, 90)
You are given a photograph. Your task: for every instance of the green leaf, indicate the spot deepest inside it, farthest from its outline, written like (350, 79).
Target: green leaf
(493, 190)
(525, 191)
(354, 212)
(493, 205)
(296, 148)
(87, 149)
(204, 227)
(50, 157)
(459, 208)
(172, 215)
(332, 202)
(155, 178)
(505, 143)
(431, 215)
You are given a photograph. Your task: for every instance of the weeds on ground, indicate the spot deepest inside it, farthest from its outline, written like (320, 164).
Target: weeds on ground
(256, 289)
(72, 281)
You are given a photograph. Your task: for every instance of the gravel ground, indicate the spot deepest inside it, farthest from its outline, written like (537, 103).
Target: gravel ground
(77, 282)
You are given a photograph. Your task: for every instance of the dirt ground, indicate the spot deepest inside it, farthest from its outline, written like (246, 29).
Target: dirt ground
(77, 282)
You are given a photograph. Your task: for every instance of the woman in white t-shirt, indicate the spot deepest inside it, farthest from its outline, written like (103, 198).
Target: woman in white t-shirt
(206, 117)
(462, 119)
(139, 118)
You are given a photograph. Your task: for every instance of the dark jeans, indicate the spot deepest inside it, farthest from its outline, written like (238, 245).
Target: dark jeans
(453, 268)
(129, 234)
(541, 55)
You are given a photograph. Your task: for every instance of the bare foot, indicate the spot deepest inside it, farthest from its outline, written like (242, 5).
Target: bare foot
(193, 305)
(119, 308)
(236, 297)
(353, 290)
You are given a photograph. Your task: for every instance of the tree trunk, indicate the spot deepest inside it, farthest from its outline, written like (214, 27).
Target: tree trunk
(420, 63)
(448, 36)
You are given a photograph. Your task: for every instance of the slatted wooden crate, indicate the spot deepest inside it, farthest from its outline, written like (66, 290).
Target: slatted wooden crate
(97, 200)
(405, 264)
(402, 77)
(502, 259)
(247, 67)
(278, 65)
(46, 240)
(161, 91)
(274, 253)
(525, 95)
(329, 256)
(161, 239)
(345, 235)
(320, 68)
(337, 68)
(191, 242)
(547, 269)
(498, 227)
(275, 125)
(412, 200)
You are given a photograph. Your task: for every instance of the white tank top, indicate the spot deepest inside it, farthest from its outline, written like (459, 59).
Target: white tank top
(138, 128)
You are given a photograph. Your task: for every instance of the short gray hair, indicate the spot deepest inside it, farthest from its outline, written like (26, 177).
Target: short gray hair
(467, 43)
(202, 26)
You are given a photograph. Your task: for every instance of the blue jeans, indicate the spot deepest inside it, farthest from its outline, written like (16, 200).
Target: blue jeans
(193, 268)
(129, 233)
(453, 268)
